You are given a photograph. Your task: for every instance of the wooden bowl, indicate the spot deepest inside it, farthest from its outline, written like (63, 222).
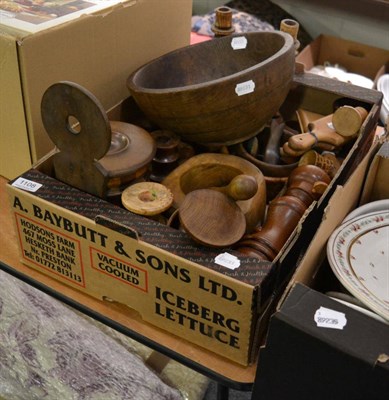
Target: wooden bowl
(209, 170)
(211, 93)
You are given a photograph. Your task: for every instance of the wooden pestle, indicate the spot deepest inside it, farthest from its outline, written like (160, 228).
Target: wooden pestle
(284, 213)
(241, 187)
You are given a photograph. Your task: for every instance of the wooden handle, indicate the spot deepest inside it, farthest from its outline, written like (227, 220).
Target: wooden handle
(320, 131)
(305, 141)
(326, 161)
(286, 150)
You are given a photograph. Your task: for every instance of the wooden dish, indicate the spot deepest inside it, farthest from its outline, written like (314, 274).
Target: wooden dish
(212, 218)
(211, 170)
(215, 93)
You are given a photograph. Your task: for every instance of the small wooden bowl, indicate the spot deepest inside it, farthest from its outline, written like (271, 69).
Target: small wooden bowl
(213, 93)
(210, 170)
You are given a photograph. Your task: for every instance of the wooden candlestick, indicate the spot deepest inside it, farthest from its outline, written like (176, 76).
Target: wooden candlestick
(223, 22)
(166, 156)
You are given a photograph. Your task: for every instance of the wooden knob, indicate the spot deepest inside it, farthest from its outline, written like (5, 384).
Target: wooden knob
(302, 180)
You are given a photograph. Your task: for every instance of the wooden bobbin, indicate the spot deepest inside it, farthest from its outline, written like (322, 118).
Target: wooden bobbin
(147, 198)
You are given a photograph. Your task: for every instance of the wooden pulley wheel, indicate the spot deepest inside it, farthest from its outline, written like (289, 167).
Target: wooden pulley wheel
(212, 218)
(147, 198)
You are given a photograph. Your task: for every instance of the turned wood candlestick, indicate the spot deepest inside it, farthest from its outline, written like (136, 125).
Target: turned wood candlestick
(292, 27)
(284, 213)
(167, 154)
(223, 22)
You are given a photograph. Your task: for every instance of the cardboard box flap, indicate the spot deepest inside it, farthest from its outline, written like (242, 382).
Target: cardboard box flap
(50, 15)
(11, 98)
(377, 182)
(355, 57)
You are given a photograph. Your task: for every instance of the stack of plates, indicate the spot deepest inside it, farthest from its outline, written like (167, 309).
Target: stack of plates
(358, 253)
(383, 86)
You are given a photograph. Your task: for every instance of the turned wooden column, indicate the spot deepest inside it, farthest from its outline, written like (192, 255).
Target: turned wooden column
(305, 184)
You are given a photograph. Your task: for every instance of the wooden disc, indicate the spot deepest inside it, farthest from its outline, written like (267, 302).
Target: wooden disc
(76, 121)
(212, 218)
(132, 148)
(147, 198)
(347, 120)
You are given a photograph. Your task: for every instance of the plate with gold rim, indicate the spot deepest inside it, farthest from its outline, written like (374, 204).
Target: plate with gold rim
(358, 253)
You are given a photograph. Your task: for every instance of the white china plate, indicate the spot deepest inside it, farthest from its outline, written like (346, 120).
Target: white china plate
(359, 80)
(383, 86)
(379, 205)
(358, 253)
(361, 309)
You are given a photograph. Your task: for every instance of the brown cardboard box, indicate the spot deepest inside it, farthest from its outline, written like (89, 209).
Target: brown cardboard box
(98, 51)
(356, 57)
(107, 252)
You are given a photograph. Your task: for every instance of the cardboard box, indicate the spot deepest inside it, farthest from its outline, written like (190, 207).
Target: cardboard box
(322, 363)
(97, 50)
(107, 252)
(350, 362)
(356, 57)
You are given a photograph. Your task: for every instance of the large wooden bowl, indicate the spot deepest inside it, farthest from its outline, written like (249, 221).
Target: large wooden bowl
(211, 93)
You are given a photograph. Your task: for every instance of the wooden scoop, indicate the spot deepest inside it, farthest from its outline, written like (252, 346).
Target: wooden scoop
(212, 218)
